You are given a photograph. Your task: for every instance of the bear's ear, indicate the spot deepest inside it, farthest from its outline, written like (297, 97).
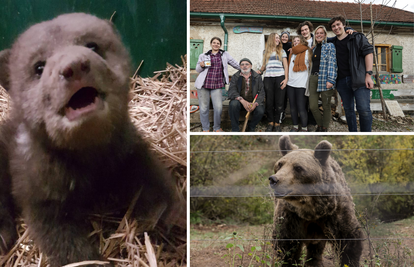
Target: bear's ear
(4, 68)
(286, 145)
(322, 151)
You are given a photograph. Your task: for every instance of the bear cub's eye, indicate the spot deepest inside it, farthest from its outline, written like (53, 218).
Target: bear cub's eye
(93, 46)
(298, 168)
(39, 67)
(280, 164)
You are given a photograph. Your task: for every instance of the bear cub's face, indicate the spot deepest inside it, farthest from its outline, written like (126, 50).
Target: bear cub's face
(69, 77)
(295, 174)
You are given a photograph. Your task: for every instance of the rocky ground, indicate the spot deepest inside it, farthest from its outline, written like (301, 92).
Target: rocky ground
(393, 124)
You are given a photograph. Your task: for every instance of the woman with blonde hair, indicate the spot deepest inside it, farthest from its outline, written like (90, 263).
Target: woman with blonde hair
(298, 82)
(275, 79)
(323, 78)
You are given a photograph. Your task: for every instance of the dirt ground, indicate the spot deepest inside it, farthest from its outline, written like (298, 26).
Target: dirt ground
(208, 245)
(393, 124)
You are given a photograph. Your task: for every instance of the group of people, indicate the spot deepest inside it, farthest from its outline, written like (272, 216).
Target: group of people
(304, 71)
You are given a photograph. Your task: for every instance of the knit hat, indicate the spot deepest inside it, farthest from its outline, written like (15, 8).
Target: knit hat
(284, 33)
(245, 59)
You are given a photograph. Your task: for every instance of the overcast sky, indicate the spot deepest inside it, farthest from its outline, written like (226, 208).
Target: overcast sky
(401, 4)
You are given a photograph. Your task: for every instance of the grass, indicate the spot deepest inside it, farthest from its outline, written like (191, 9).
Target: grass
(394, 251)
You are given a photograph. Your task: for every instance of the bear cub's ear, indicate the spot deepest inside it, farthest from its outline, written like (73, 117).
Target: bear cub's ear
(322, 151)
(286, 145)
(4, 68)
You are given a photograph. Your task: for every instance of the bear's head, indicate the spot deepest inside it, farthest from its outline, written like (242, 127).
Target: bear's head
(299, 172)
(69, 80)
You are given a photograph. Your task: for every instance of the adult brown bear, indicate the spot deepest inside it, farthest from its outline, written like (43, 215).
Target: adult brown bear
(69, 146)
(313, 205)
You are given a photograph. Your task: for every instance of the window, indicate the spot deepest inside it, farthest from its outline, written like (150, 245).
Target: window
(384, 57)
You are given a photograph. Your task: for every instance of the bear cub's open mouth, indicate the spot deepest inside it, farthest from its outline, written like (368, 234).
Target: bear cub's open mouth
(84, 101)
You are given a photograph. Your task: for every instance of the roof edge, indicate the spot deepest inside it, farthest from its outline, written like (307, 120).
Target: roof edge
(311, 19)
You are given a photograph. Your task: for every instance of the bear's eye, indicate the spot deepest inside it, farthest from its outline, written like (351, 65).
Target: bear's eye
(280, 164)
(39, 67)
(298, 168)
(93, 46)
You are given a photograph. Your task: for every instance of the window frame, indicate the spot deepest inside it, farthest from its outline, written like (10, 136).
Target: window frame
(387, 48)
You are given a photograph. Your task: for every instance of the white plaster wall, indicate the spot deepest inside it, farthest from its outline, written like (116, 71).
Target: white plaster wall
(249, 45)
(407, 42)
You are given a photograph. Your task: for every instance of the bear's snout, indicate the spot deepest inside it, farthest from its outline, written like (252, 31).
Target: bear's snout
(76, 69)
(273, 180)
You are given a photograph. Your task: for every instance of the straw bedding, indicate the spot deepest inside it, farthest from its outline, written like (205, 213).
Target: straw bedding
(158, 108)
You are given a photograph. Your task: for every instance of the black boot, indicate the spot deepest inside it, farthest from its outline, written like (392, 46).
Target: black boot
(269, 127)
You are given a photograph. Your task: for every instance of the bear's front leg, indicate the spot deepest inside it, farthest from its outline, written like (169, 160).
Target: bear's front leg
(8, 234)
(288, 251)
(62, 236)
(314, 254)
(350, 245)
(351, 252)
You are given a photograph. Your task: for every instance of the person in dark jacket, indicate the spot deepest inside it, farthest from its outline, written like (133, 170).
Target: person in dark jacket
(244, 86)
(355, 61)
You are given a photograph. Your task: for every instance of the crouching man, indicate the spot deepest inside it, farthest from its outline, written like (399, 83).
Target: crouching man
(244, 86)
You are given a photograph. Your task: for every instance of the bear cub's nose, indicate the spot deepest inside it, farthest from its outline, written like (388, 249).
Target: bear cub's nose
(76, 69)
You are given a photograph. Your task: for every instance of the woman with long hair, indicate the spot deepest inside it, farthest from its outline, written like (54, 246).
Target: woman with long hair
(323, 78)
(213, 76)
(275, 80)
(298, 81)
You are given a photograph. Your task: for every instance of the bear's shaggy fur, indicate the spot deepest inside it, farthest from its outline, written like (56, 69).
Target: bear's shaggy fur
(69, 148)
(313, 205)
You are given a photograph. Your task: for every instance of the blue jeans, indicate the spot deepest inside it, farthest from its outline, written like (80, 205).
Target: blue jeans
(362, 99)
(204, 103)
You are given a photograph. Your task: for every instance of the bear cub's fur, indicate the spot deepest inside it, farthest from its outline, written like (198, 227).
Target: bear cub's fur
(69, 148)
(313, 205)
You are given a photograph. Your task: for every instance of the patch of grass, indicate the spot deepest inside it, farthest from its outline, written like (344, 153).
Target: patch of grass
(396, 251)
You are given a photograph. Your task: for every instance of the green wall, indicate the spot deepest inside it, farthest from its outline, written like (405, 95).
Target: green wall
(153, 31)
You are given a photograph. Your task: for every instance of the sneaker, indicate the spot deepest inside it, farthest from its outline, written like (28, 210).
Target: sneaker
(218, 131)
(304, 130)
(324, 129)
(318, 129)
(277, 128)
(206, 131)
(269, 128)
(294, 130)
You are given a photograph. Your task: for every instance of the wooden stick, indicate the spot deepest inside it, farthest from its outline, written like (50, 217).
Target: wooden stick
(384, 109)
(247, 115)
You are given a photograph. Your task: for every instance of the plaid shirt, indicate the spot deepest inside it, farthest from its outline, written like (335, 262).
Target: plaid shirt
(215, 76)
(328, 70)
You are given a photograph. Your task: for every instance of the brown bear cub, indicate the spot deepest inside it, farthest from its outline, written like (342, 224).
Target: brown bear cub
(313, 205)
(69, 148)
